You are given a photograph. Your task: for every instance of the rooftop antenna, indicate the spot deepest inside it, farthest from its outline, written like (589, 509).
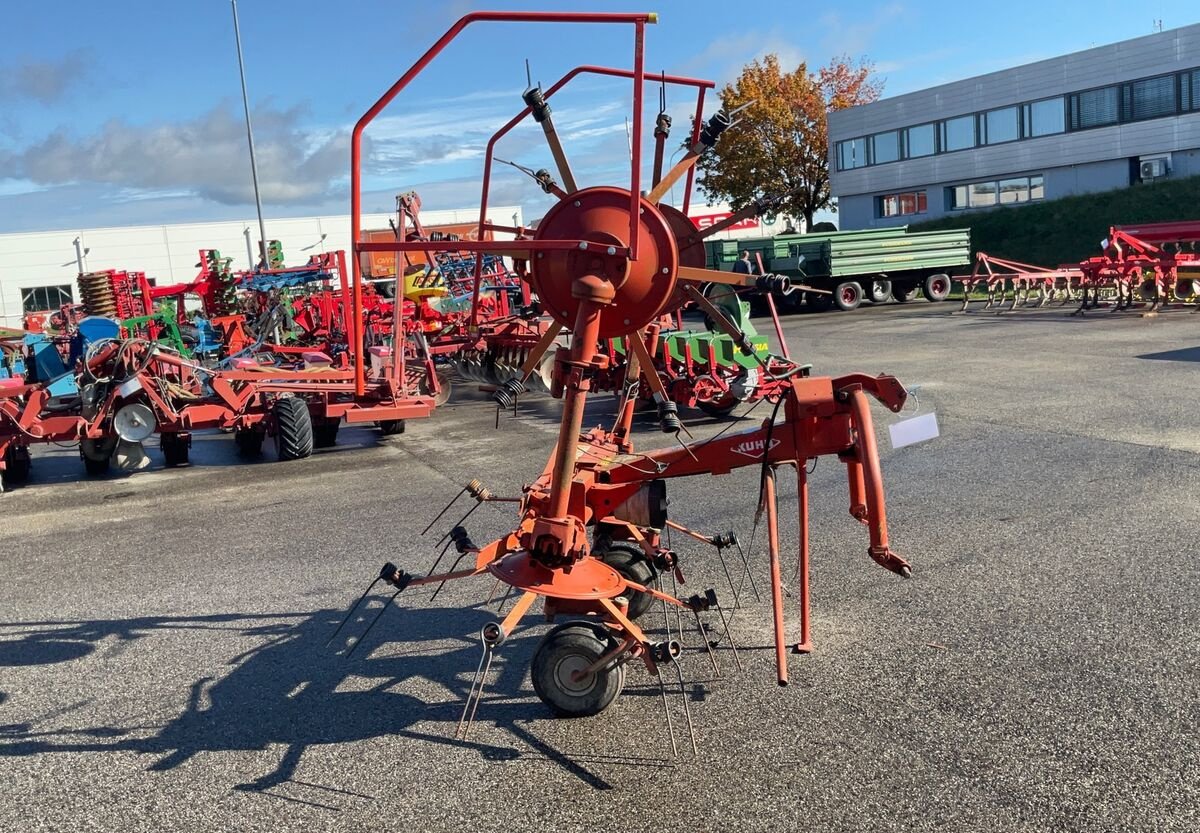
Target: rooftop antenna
(262, 231)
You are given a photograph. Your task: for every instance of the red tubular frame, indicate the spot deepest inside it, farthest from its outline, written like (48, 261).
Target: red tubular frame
(639, 20)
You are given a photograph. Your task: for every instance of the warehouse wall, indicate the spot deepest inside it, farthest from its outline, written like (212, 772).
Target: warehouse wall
(168, 253)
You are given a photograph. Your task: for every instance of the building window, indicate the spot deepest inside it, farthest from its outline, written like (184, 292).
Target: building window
(1045, 117)
(898, 205)
(959, 133)
(885, 147)
(1151, 98)
(1002, 125)
(852, 153)
(1017, 189)
(1095, 108)
(922, 141)
(43, 298)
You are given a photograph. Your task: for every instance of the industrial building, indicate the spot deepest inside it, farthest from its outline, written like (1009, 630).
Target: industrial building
(1104, 118)
(38, 269)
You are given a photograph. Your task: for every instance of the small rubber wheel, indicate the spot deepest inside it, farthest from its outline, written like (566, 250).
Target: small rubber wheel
(293, 429)
(936, 288)
(848, 296)
(325, 434)
(95, 468)
(17, 464)
(629, 560)
(249, 442)
(391, 427)
(174, 449)
(568, 649)
(720, 407)
(880, 291)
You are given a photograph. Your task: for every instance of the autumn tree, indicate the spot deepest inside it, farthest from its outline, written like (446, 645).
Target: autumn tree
(782, 145)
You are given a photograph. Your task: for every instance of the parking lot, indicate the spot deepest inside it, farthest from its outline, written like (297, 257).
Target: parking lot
(164, 666)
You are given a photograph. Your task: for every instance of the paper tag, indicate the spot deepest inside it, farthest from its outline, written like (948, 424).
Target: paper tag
(914, 430)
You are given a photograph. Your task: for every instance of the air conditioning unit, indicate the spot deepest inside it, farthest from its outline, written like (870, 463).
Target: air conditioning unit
(1151, 169)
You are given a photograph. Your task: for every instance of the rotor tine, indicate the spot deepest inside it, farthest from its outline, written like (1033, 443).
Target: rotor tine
(678, 615)
(463, 518)
(747, 572)
(453, 567)
(666, 619)
(712, 657)
(492, 594)
(662, 689)
(379, 616)
(728, 576)
(458, 731)
(438, 560)
(729, 636)
(353, 608)
(504, 599)
(444, 511)
(687, 712)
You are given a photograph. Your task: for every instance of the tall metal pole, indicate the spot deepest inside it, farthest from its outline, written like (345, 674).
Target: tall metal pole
(262, 230)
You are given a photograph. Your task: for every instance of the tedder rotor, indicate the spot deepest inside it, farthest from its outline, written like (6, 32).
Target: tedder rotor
(608, 261)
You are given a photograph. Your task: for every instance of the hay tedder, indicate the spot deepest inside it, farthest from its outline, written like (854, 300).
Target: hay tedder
(607, 263)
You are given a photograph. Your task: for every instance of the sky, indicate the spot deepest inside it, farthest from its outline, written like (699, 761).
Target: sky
(129, 112)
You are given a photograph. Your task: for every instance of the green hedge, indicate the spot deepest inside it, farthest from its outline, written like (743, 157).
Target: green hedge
(1070, 229)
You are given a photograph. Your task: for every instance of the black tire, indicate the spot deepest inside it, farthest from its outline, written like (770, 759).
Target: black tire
(174, 449)
(391, 427)
(937, 287)
(95, 468)
(720, 408)
(17, 464)
(249, 442)
(848, 296)
(629, 560)
(570, 647)
(293, 429)
(819, 302)
(901, 294)
(880, 291)
(325, 434)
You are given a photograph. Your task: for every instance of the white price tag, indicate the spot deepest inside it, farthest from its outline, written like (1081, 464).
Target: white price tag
(914, 430)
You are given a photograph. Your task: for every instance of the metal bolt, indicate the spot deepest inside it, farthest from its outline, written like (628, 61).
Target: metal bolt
(626, 321)
(540, 254)
(612, 250)
(577, 203)
(665, 270)
(583, 245)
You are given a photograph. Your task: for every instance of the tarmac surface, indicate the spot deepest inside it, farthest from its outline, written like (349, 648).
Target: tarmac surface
(164, 666)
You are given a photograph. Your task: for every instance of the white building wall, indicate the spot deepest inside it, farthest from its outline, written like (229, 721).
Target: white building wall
(169, 253)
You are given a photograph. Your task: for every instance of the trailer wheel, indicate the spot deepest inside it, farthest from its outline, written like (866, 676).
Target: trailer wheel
(249, 442)
(936, 287)
(391, 427)
(293, 429)
(631, 563)
(16, 464)
(325, 433)
(904, 292)
(570, 648)
(880, 291)
(174, 449)
(848, 296)
(719, 408)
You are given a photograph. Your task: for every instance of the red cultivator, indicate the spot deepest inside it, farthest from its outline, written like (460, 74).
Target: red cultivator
(606, 263)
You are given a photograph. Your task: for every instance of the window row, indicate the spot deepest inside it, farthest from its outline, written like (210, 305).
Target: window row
(899, 205)
(43, 298)
(996, 192)
(1147, 98)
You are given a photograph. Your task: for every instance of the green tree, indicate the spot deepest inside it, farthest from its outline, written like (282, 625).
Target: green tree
(782, 144)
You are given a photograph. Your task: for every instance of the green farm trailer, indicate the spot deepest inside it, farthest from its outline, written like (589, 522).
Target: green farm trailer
(855, 266)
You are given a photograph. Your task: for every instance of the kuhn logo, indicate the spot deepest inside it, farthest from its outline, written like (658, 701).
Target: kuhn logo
(753, 448)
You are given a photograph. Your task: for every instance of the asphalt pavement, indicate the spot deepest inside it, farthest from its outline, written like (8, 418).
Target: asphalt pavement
(164, 666)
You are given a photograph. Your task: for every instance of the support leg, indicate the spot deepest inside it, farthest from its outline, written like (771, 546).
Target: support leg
(776, 579)
(804, 646)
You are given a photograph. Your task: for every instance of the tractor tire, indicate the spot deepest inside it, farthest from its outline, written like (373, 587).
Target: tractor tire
(325, 434)
(293, 429)
(848, 296)
(880, 291)
(174, 449)
(249, 442)
(572, 647)
(391, 427)
(17, 464)
(937, 287)
(629, 560)
(719, 408)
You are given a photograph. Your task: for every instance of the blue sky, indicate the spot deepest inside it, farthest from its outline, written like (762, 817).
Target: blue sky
(129, 112)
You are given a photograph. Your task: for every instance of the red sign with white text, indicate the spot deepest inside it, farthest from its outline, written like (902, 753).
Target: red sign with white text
(703, 221)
